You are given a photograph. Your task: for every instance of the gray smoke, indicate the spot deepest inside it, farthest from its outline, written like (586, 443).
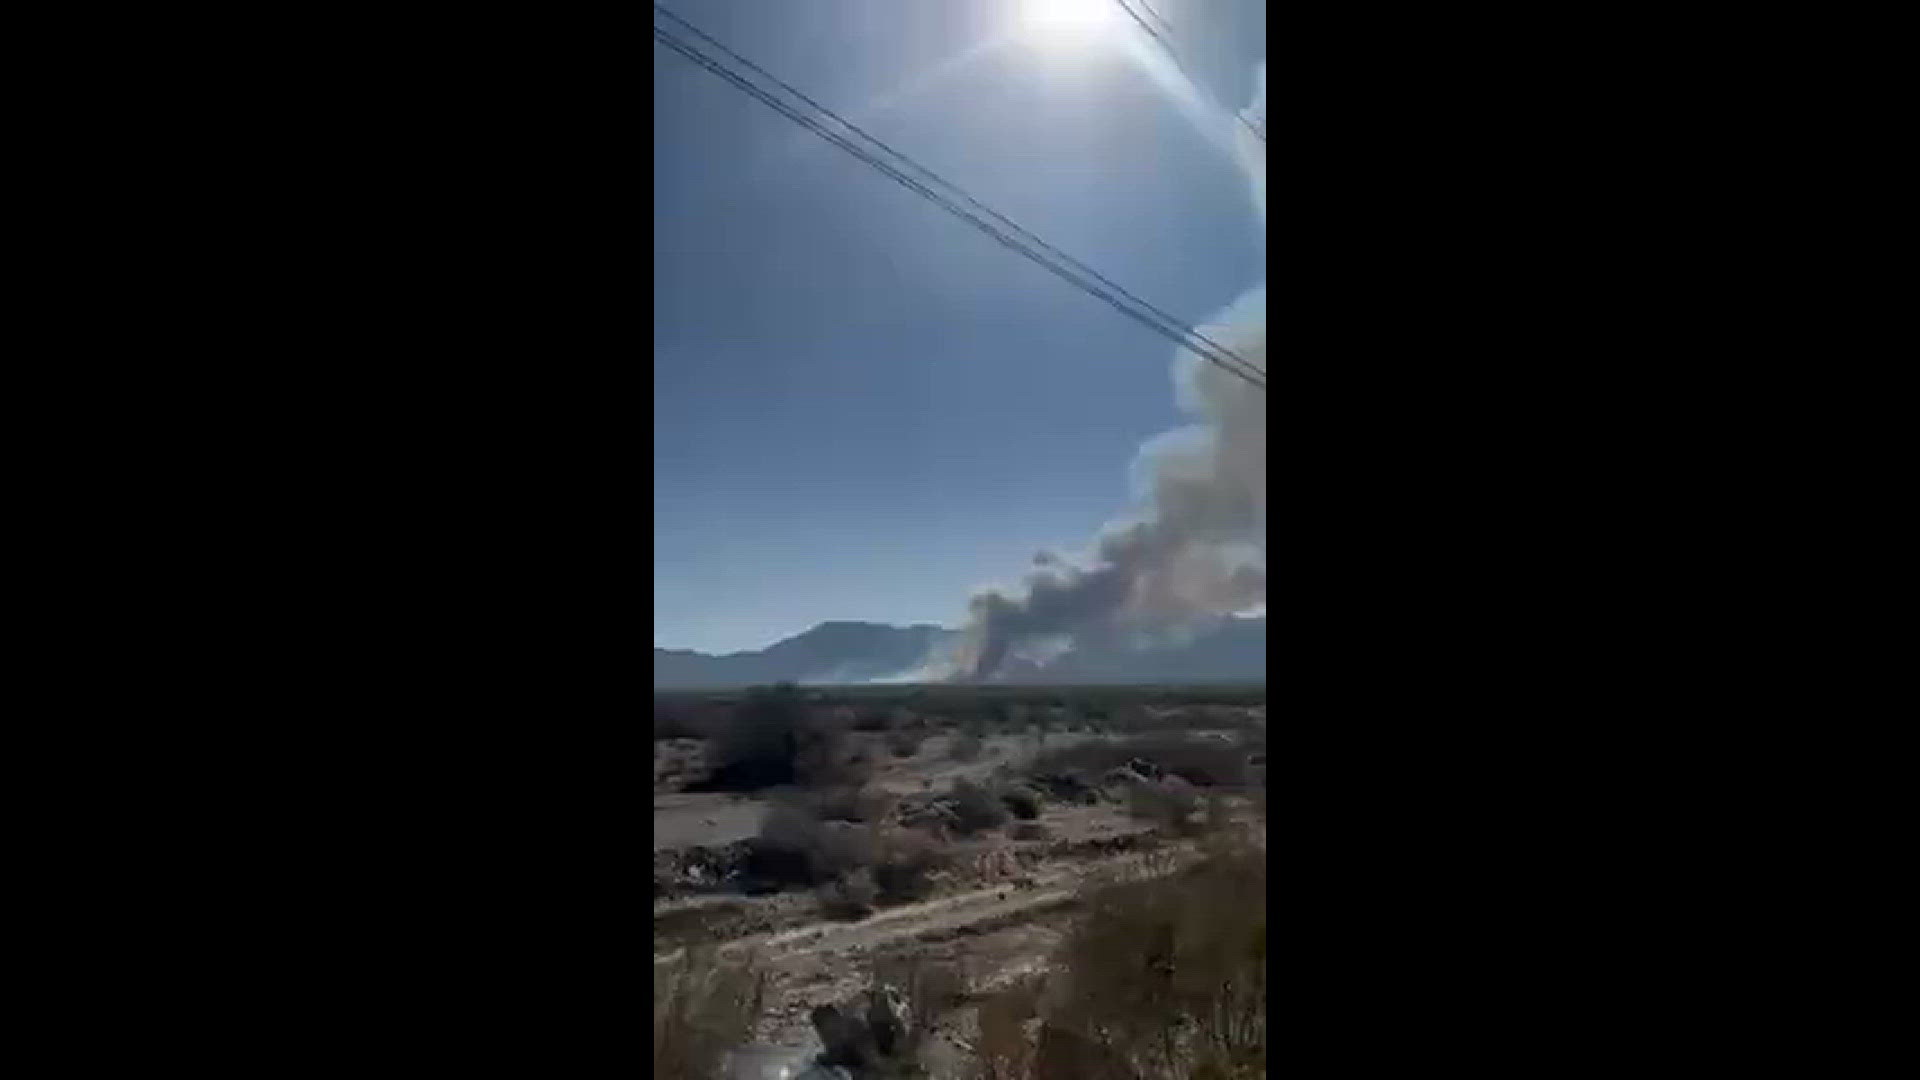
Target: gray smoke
(1196, 547)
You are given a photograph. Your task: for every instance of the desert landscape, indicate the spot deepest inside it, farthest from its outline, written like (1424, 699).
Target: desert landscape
(960, 881)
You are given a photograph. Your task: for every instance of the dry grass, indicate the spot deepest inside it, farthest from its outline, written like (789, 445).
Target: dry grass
(1005, 1047)
(702, 1008)
(1171, 973)
(932, 989)
(1204, 762)
(1163, 978)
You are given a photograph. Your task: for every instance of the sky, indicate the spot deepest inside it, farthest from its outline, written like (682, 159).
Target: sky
(864, 409)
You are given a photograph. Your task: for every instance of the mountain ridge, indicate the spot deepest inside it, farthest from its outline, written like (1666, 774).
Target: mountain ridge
(851, 651)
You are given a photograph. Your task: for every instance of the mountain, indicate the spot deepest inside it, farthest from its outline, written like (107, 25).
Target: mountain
(855, 652)
(833, 652)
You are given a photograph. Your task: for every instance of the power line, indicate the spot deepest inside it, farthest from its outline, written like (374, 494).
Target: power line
(1157, 17)
(1174, 327)
(1153, 318)
(1174, 55)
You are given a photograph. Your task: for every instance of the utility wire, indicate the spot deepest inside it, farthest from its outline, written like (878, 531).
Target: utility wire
(1155, 319)
(1157, 17)
(1174, 55)
(1171, 324)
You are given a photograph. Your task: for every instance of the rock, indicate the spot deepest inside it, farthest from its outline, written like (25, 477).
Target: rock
(888, 1019)
(868, 1044)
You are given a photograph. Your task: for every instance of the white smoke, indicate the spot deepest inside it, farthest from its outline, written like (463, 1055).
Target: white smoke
(1195, 550)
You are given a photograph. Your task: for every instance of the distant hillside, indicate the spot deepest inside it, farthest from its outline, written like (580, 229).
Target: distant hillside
(833, 652)
(856, 652)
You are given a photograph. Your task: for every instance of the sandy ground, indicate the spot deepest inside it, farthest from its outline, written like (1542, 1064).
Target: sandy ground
(683, 820)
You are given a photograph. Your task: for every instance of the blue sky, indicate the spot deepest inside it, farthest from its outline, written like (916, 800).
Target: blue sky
(863, 409)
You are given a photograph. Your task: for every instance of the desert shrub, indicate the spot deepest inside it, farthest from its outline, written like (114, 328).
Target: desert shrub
(1201, 762)
(759, 746)
(828, 757)
(903, 868)
(702, 1008)
(1204, 762)
(966, 746)
(1198, 963)
(906, 742)
(1022, 803)
(1169, 805)
(1164, 976)
(1028, 830)
(670, 722)
(796, 849)
(846, 802)
(851, 896)
(975, 808)
(778, 736)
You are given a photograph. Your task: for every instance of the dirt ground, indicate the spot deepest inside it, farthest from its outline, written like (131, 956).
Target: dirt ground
(995, 916)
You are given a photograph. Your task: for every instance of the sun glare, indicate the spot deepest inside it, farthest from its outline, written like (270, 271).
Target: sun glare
(1067, 23)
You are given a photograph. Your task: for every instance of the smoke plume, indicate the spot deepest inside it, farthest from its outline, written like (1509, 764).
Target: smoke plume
(1196, 547)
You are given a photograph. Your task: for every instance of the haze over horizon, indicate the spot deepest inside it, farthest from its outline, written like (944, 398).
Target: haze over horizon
(865, 412)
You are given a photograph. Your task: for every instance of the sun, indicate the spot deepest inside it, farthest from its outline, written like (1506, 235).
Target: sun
(1067, 23)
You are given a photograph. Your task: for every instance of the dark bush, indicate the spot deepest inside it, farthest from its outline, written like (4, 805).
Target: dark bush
(846, 803)
(796, 849)
(903, 868)
(849, 897)
(905, 742)
(1204, 762)
(759, 746)
(1022, 803)
(776, 737)
(975, 808)
(672, 722)
(1169, 804)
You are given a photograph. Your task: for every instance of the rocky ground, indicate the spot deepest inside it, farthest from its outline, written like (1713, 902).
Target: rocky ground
(996, 910)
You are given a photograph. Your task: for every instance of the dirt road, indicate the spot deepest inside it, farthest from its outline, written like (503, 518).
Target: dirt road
(942, 916)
